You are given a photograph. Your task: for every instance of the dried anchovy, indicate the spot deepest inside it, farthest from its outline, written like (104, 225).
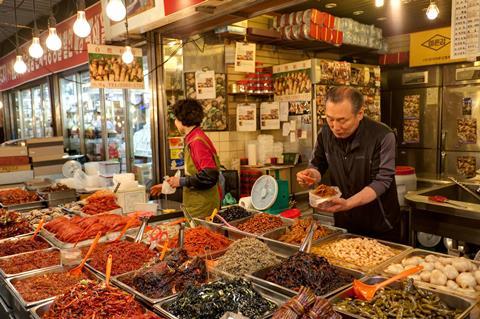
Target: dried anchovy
(30, 261)
(232, 213)
(126, 256)
(46, 285)
(406, 302)
(246, 256)
(90, 300)
(12, 247)
(309, 270)
(161, 279)
(261, 223)
(213, 300)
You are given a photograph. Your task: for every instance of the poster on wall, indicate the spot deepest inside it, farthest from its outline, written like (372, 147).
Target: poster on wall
(245, 57)
(292, 81)
(467, 131)
(246, 117)
(411, 107)
(270, 116)
(215, 109)
(411, 131)
(107, 70)
(466, 166)
(467, 106)
(205, 85)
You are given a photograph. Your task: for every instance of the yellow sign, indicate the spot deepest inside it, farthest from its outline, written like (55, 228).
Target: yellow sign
(431, 47)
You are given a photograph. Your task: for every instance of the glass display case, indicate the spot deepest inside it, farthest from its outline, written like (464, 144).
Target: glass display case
(47, 111)
(70, 114)
(92, 115)
(115, 114)
(26, 115)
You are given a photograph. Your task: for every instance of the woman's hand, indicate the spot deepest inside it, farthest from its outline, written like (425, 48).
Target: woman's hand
(174, 181)
(156, 190)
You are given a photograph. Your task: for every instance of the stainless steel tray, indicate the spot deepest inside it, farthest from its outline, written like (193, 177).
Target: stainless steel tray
(22, 303)
(268, 294)
(65, 194)
(423, 253)
(402, 249)
(259, 278)
(25, 236)
(26, 206)
(237, 221)
(38, 311)
(452, 301)
(7, 275)
(234, 233)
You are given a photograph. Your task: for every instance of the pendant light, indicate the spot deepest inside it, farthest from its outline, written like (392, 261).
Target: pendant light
(432, 11)
(379, 3)
(127, 56)
(19, 66)
(35, 50)
(53, 42)
(116, 10)
(81, 27)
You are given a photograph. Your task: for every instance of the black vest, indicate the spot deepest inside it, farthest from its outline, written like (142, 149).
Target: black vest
(351, 169)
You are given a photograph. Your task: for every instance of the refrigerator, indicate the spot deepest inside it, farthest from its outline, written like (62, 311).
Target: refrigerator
(414, 114)
(460, 146)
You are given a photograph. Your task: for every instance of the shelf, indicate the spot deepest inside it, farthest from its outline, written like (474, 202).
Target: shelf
(253, 35)
(252, 94)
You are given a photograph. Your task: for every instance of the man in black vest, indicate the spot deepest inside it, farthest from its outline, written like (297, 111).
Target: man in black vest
(359, 154)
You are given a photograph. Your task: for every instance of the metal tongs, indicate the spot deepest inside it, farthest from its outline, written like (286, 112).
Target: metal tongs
(307, 241)
(143, 226)
(181, 236)
(188, 217)
(465, 188)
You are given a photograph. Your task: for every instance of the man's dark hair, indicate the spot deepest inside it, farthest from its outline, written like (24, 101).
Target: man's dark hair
(340, 93)
(189, 112)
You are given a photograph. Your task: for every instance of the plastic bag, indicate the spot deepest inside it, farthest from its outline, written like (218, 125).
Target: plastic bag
(166, 188)
(229, 200)
(322, 202)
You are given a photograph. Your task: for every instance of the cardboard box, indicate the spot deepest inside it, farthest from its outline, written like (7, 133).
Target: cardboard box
(47, 170)
(14, 160)
(14, 168)
(9, 151)
(128, 200)
(32, 142)
(393, 58)
(15, 177)
(46, 150)
(46, 158)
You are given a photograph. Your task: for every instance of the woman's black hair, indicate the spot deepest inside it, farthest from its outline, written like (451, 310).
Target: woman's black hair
(189, 112)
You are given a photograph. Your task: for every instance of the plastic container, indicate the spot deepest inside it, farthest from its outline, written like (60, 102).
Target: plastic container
(92, 168)
(406, 181)
(109, 168)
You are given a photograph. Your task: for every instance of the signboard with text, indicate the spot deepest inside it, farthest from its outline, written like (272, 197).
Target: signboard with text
(72, 54)
(430, 47)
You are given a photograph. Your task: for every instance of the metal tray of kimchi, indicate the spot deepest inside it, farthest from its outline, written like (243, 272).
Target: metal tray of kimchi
(8, 275)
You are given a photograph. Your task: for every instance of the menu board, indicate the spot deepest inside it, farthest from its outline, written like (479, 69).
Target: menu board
(465, 28)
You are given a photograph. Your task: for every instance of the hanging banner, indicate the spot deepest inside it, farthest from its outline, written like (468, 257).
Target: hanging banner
(246, 117)
(270, 116)
(205, 85)
(72, 54)
(245, 57)
(465, 31)
(430, 47)
(107, 70)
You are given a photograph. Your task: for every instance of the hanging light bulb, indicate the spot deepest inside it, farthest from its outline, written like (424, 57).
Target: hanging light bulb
(127, 55)
(81, 27)
(35, 49)
(53, 41)
(379, 3)
(19, 67)
(116, 10)
(395, 4)
(432, 11)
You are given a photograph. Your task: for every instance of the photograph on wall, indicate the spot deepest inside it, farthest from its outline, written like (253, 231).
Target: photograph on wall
(467, 131)
(466, 166)
(246, 117)
(107, 69)
(467, 106)
(292, 81)
(411, 106)
(205, 85)
(371, 97)
(245, 57)
(299, 108)
(411, 131)
(270, 116)
(320, 97)
(215, 109)
(335, 72)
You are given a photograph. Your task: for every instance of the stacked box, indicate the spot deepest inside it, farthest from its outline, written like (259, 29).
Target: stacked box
(360, 34)
(47, 155)
(14, 165)
(310, 24)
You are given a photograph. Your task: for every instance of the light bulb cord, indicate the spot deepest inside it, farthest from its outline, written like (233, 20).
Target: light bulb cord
(127, 40)
(16, 24)
(35, 30)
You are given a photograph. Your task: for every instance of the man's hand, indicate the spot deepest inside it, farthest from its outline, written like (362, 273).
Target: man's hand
(174, 181)
(336, 205)
(156, 190)
(308, 177)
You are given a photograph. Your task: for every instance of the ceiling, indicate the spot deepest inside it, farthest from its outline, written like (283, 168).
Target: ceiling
(24, 14)
(409, 17)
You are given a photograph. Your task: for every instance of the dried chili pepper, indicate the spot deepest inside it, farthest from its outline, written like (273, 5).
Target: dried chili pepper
(100, 202)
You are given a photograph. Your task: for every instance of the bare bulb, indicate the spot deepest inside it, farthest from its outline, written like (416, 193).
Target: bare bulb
(53, 41)
(35, 50)
(81, 27)
(395, 4)
(116, 10)
(432, 11)
(379, 3)
(127, 55)
(19, 67)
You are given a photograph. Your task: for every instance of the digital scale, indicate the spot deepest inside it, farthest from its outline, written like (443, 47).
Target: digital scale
(270, 194)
